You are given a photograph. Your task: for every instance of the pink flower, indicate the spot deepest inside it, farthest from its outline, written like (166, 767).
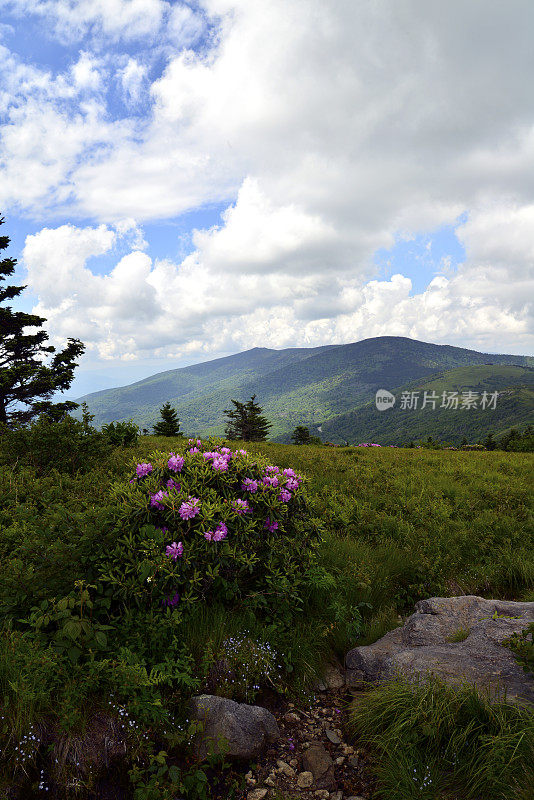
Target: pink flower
(194, 450)
(171, 601)
(292, 484)
(155, 500)
(290, 473)
(221, 532)
(240, 453)
(285, 496)
(143, 469)
(175, 463)
(173, 485)
(249, 485)
(241, 507)
(190, 509)
(174, 550)
(270, 525)
(272, 469)
(267, 481)
(225, 451)
(220, 465)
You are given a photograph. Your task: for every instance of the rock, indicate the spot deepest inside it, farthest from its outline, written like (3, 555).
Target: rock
(269, 781)
(257, 794)
(305, 780)
(322, 794)
(423, 645)
(336, 796)
(294, 762)
(291, 718)
(285, 769)
(348, 750)
(235, 729)
(318, 761)
(332, 736)
(334, 677)
(353, 762)
(340, 760)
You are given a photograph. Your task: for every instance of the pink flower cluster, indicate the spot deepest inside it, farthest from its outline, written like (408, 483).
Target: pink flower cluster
(241, 507)
(190, 509)
(174, 550)
(155, 499)
(368, 444)
(220, 533)
(143, 469)
(175, 463)
(249, 485)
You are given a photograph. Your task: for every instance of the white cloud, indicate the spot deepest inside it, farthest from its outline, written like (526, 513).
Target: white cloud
(328, 129)
(73, 19)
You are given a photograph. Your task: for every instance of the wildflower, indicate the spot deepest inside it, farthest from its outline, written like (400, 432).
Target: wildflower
(143, 469)
(194, 450)
(225, 451)
(175, 463)
(155, 500)
(272, 469)
(285, 496)
(270, 525)
(221, 532)
(290, 473)
(173, 485)
(241, 506)
(171, 601)
(220, 465)
(267, 481)
(292, 484)
(249, 485)
(190, 509)
(240, 453)
(174, 550)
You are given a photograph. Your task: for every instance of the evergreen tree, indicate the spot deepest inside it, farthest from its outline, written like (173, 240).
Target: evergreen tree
(301, 435)
(245, 421)
(490, 443)
(26, 382)
(169, 424)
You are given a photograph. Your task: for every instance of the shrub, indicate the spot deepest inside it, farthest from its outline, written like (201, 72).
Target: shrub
(121, 434)
(67, 445)
(215, 526)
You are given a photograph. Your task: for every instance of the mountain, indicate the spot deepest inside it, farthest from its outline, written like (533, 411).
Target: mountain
(514, 407)
(295, 386)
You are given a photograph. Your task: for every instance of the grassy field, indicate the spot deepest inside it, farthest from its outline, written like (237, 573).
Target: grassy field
(394, 525)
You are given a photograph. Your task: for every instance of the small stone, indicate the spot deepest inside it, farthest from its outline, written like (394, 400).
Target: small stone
(336, 796)
(305, 780)
(322, 794)
(269, 781)
(285, 769)
(347, 750)
(332, 736)
(291, 705)
(291, 718)
(353, 762)
(294, 762)
(257, 794)
(355, 797)
(320, 686)
(340, 760)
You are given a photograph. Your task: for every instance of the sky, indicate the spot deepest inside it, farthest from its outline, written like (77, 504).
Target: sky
(185, 180)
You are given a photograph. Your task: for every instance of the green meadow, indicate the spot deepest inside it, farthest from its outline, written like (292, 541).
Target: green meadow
(390, 526)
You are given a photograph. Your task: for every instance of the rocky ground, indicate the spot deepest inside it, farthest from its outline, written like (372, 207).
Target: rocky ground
(313, 757)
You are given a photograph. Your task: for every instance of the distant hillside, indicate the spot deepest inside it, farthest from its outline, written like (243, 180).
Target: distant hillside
(514, 408)
(297, 386)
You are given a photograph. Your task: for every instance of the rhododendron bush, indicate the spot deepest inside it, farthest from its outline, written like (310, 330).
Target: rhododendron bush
(211, 524)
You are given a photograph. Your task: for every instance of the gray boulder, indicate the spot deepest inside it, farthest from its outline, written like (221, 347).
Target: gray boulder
(424, 644)
(238, 730)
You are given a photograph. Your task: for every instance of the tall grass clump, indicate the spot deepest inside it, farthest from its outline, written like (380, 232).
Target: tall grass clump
(432, 740)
